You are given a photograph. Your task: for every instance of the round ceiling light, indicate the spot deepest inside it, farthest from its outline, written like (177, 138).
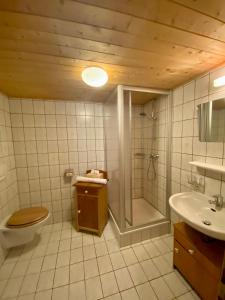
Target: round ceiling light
(94, 76)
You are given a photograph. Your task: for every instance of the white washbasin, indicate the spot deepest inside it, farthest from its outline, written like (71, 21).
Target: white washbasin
(195, 210)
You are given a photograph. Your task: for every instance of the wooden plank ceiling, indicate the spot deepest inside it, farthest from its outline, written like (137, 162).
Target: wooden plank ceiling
(44, 45)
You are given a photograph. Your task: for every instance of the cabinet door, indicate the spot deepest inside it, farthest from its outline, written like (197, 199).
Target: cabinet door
(199, 278)
(88, 212)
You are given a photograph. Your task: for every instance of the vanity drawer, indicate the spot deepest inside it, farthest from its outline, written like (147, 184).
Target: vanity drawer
(200, 279)
(87, 190)
(209, 255)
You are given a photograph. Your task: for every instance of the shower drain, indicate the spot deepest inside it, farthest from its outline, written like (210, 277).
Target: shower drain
(206, 222)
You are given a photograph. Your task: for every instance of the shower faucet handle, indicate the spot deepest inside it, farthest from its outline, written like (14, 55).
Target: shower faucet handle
(154, 155)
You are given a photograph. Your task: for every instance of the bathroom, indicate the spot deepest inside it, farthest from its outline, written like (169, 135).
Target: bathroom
(163, 63)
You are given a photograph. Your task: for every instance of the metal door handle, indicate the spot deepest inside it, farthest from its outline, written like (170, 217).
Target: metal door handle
(191, 251)
(176, 250)
(79, 211)
(86, 192)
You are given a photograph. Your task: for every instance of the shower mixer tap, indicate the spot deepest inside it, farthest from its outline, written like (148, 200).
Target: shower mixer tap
(154, 156)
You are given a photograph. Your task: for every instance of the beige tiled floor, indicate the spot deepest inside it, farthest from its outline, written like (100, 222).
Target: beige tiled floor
(63, 264)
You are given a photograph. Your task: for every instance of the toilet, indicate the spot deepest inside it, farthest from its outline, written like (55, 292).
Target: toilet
(21, 226)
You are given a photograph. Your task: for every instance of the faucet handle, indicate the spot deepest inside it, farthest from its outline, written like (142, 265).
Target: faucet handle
(218, 200)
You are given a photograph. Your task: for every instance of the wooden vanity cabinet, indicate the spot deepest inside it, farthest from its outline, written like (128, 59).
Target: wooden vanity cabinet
(91, 207)
(199, 261)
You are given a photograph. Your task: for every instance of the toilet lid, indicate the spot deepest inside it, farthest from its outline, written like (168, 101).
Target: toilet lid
(27, 216)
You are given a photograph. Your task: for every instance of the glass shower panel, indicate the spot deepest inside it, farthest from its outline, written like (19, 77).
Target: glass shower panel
(112, 146)
(127, 157)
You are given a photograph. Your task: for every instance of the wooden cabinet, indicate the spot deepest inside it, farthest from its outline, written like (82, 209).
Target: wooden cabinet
(91, 207)
(199, 260)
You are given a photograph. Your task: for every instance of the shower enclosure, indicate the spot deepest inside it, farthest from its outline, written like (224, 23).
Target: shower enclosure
(137, 142)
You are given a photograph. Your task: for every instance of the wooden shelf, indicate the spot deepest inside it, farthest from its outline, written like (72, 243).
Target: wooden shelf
(207, 166)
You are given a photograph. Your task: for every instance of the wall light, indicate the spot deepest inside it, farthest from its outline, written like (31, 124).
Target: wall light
(94, 76)
(220, 81)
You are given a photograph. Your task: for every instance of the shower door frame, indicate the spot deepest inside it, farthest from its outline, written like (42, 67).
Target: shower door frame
(121, 89)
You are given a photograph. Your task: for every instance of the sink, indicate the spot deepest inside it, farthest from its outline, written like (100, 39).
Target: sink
(195, 210)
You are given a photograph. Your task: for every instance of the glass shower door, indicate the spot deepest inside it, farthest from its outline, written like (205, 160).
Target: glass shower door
(127, 157)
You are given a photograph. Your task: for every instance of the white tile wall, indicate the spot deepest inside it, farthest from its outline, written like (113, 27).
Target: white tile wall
(49, 137)
(155, 140)
(186, 145)
(8, 186)
(137, 147)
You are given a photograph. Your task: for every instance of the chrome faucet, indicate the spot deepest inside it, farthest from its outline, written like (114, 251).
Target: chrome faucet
(218, 201)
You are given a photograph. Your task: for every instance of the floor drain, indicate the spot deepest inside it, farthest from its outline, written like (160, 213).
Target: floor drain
(206, 222)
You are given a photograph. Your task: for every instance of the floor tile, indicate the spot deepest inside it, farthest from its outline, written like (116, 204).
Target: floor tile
(109, 285)
(123, 278)
(137, 274)
(76, 255)
(130, 294)
(64, 245)
(63, 259)
(61, 276)
(52, 248)
(60, 293)
(150, 269)
(101, 249)
(76, 242)
(77, 272)
(175, 284)
(65, 264)
(129, 256)
(93, 288)
(20, 268)
(117, 260)
(46, 280)
(89, 252)
(29, 284)
(49, 262)
(161, 289)
(77, 291)
(43, 295)
(162, 265)
(140, 253)
(104, 264)
(12, 288)
(151, 249)
(146, 292)
(91, 268)
(6, 270)
(113, 297)
(35, 265)
(26, 297)
(112, 245)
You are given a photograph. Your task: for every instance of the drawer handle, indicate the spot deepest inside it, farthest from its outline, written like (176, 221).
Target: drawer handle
(79, 211)
(191, 251)
(176, 250)
(86, 191)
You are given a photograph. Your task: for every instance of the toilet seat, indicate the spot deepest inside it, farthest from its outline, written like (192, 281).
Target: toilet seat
(27, 217)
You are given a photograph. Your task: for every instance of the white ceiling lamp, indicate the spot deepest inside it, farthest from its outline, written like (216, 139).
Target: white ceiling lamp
(94, 76)
(220, 81)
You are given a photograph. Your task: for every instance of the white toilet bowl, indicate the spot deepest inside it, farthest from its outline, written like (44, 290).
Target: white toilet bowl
(12, 237)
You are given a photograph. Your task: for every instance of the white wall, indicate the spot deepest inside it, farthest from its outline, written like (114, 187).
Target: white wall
(186, 145)
(8, 186)
(49, 137)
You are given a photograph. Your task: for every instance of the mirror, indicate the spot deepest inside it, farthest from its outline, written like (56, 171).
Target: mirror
(211, 121)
